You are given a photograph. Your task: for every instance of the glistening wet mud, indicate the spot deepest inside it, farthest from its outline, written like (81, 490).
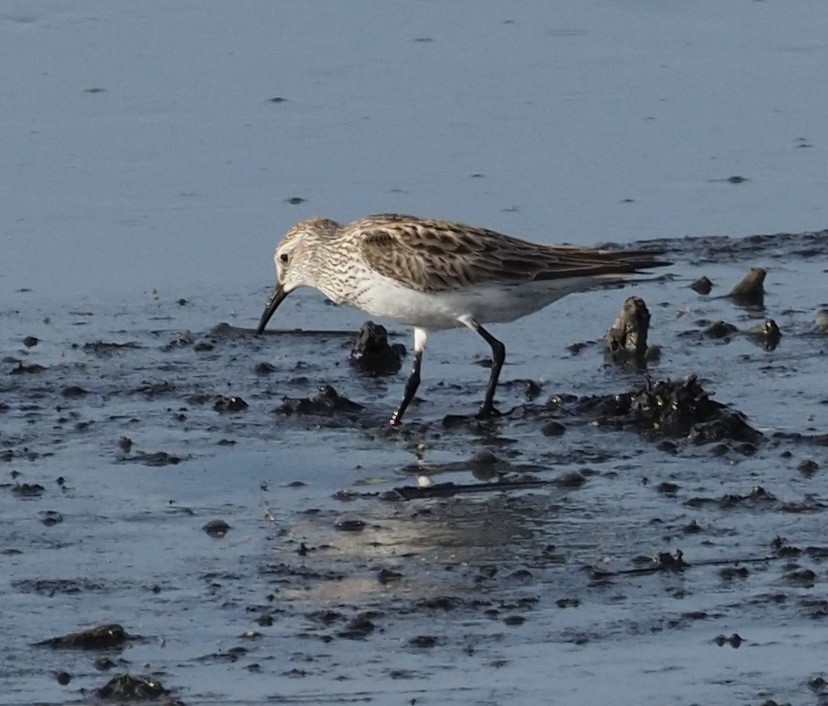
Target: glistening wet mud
(235, 515)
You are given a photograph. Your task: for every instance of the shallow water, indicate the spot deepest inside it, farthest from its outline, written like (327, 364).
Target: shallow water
(518, 593)
(147, 173)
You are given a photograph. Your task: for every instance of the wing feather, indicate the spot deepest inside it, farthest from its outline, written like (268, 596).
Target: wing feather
(432, 255)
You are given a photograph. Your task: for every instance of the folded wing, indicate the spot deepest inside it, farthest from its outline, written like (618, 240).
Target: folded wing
(431, 255)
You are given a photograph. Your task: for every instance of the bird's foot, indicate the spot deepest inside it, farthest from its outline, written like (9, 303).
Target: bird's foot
(488, 412)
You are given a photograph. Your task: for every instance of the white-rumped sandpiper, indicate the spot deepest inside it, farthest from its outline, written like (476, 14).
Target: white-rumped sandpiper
(435, 275)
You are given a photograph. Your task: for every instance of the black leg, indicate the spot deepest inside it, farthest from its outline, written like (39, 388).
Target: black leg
(498, 357)
(411, 386)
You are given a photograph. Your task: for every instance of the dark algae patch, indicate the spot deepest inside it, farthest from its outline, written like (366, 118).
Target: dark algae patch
(680, 409)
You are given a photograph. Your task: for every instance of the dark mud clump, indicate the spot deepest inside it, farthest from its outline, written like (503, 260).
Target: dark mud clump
(155, 459)
(54, 587)
(702, 285)
(74, 391)
(102, 637)
(735, 640)
(720, 329)
(766, 335)
(750, 291)
(154, 389)
(230, 403)
(350, 523)
(27, 369)
(359, 627)
(102, 348)
(450, 489)
(216, 528)
(127, 688)
(553, 428)
(373, 355)
(28, 490)
(327, 402)
(626, 341)
(675, 409)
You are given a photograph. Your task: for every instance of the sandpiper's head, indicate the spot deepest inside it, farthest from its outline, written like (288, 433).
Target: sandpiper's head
(296, 261)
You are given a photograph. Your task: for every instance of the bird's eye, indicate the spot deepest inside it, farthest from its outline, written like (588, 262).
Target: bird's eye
(284, 257)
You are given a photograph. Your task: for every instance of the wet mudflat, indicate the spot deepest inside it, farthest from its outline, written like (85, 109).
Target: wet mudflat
(242, 535)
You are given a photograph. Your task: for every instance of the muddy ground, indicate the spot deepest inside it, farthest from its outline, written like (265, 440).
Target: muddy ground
(579, 557)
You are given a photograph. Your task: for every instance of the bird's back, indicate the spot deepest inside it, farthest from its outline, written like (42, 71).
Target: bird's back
(432, 255)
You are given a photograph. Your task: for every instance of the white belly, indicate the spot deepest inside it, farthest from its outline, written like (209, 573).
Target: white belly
(383, 297)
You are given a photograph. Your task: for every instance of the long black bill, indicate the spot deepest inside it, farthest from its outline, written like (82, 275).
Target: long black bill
(276, 298)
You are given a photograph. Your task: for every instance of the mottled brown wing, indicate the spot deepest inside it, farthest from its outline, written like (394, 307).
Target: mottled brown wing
(432, 255)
